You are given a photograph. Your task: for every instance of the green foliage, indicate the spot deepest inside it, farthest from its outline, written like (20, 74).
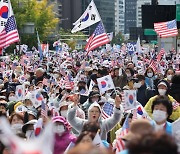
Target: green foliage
(38, 12)
(118, 39)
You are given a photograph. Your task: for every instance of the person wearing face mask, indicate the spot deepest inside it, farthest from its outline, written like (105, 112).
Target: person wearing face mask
(143, 94)
(163, 90)
(11, 96)
(169, 73)
(129, 72)
(161, 110)
(16, 122)
(149, 78)
(28, 129)
(63, 136)
(94, 115)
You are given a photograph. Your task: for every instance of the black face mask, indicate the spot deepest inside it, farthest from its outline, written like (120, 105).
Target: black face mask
(81, 88)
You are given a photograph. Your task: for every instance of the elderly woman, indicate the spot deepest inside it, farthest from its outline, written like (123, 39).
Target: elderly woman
(94, 115)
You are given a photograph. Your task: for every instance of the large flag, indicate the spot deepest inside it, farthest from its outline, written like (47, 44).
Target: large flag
(98, 38)
(88, 18)
(105, 83)
(166, 29)
(43, 144)
(8, 29)
(39, 47)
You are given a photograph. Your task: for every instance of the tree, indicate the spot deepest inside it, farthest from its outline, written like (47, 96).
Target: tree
(118, 39)
(38, 12)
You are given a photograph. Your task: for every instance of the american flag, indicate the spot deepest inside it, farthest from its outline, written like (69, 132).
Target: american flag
(44, 109)
(125, 128)
(153, 63)
(98, 38)
(9, 34)
(166, 29)
(160, 54)
(107, 110)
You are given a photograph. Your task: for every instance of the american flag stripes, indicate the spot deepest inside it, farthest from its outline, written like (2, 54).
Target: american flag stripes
(98, 38)
(160, 54)
(125, 128)
(153, 63)
(44, 109)
(10, 33)
(166, 29)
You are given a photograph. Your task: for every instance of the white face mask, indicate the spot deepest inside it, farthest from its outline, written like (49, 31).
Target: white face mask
(162, 91)
(64, 113)
(169, 77)
(16, 127)
(128, 75)
(108, 95)
(30, 134)
(137, 85)
(159, 115)
(12, 98)
(149, 75)
(59, 129)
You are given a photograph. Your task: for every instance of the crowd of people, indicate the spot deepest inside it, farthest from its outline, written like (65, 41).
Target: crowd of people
(62, 89)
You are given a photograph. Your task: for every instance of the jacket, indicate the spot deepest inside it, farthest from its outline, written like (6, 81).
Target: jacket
(175, 114)
(62, 142)
(144, 94)
(105, 125)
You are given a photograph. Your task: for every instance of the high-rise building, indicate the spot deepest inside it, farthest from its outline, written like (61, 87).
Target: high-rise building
(119, 16)
(130, 14)
(139, 11)
(106, 10)
(68, 11)
(168, 2)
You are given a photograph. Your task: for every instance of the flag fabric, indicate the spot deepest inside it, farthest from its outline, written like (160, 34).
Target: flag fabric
(160, 54)
(107, 110)
(57, 43)
(166, 29)
(125, 129)
(138, 46)
(38, 145)
(92, 83)
(98, 38)
(97, 141)
(175, 105)
(105, 83)
(88, 18)
(20, 92)
(153, 63)
(129, 99)
(39, 47)
(8, 29)
(43, 109)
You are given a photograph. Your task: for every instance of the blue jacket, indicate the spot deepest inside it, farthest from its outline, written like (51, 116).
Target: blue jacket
(168, 127)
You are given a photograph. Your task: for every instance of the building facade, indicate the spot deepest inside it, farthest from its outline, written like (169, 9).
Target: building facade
(130, 15)
(139, 11)
(168, 2)
(119, 16)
